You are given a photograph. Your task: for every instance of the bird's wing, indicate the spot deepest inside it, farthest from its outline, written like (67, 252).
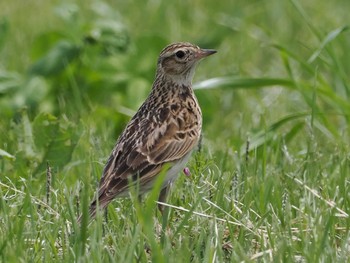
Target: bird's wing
(144, 147)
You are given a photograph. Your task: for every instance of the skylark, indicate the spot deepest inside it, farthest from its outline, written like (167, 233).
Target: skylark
(164, 131)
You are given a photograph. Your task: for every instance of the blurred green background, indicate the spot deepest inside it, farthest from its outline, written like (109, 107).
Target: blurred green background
(72, 73)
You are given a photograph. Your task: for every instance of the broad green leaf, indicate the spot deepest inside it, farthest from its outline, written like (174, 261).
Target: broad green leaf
(9, 81)
(111, 35)
(67, 11)
(44, 42)
(56, 60)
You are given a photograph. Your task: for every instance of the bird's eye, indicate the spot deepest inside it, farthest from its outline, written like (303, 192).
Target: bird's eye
(180, 54)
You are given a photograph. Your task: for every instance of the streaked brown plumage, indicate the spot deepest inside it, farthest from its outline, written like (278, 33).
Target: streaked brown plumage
(165, 129)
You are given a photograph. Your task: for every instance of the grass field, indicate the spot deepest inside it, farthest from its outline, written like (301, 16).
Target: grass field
(271, 182)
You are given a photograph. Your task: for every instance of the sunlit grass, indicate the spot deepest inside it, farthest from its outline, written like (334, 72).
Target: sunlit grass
(271, 180)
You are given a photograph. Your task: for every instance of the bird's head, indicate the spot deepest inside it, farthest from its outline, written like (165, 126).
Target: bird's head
(178, 61)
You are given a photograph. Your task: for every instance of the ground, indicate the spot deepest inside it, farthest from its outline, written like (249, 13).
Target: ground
(270, 181)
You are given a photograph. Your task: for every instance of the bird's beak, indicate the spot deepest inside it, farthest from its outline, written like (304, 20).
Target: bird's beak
(205, 52)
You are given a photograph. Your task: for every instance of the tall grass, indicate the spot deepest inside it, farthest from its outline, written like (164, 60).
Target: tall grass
(270, 182)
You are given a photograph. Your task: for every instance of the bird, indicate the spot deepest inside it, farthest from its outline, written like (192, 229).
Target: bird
(161, 135)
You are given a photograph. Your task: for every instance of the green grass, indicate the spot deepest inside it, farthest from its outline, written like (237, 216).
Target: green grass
(271, 182)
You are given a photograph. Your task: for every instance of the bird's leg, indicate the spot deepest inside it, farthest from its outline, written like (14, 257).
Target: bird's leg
(162, 198)
(187, 171)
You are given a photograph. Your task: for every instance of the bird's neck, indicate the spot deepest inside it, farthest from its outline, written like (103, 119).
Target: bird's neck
(181, 80)
(172, 84)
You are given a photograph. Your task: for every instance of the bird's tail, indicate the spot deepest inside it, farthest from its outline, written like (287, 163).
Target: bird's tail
(96, 205)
